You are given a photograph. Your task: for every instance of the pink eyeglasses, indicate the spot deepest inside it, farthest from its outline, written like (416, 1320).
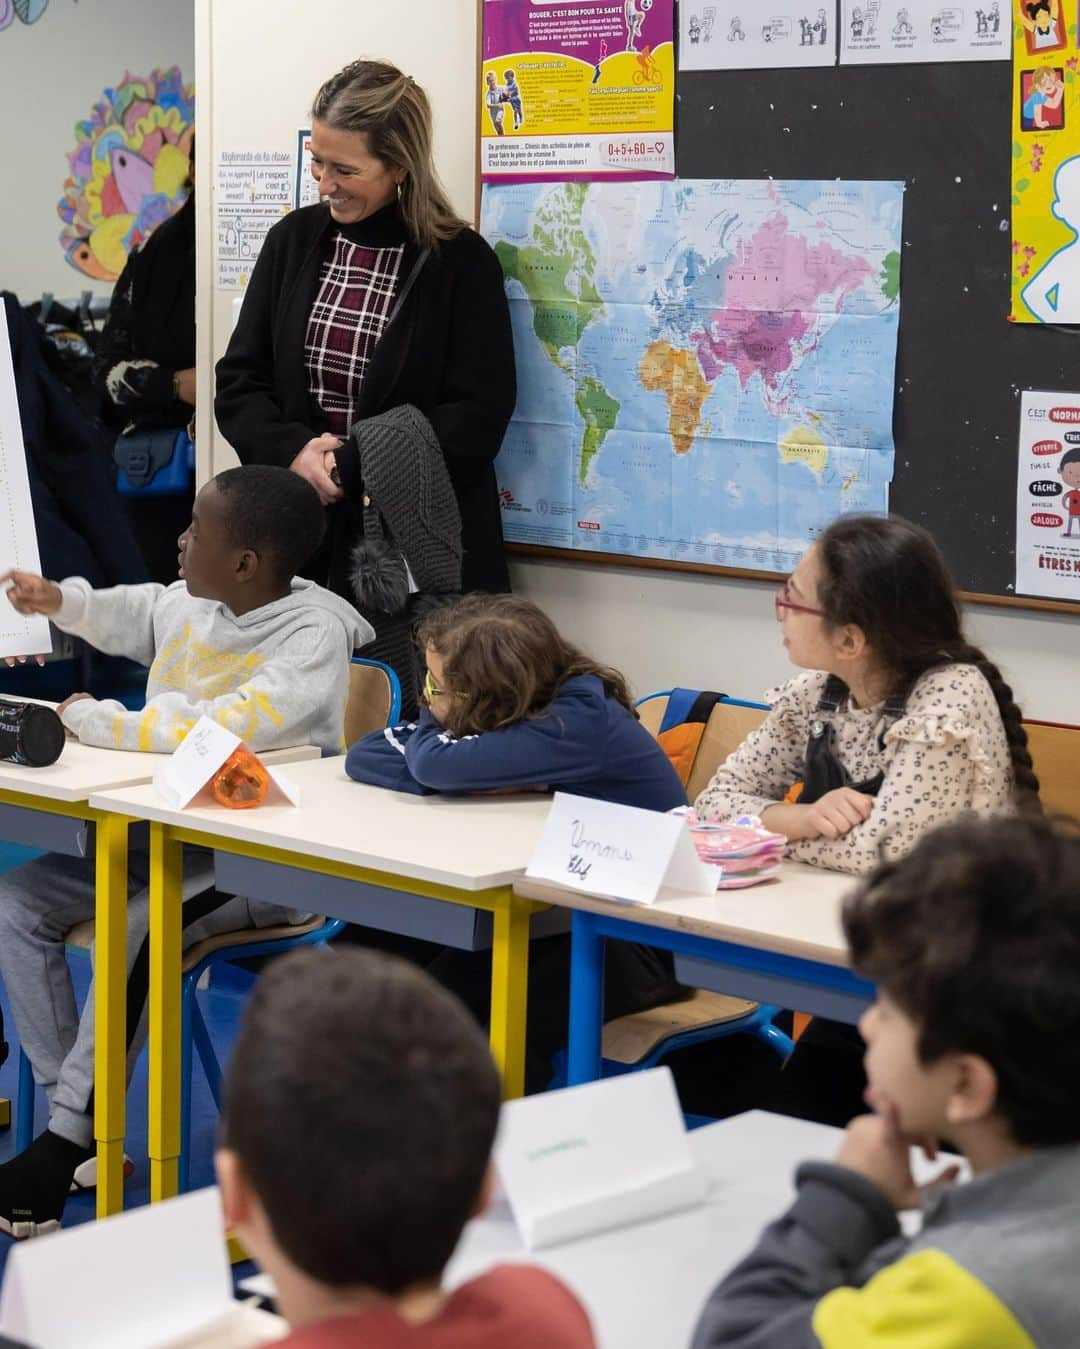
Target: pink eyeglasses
(782, 600)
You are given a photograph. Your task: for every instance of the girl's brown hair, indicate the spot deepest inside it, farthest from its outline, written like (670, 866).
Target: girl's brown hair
(888, 577)
(503, 661)
(394, 114)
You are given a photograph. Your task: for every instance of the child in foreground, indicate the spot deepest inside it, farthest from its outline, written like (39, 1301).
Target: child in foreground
(364, 1068)
(973, 941)
(512, 706)
(236, 639)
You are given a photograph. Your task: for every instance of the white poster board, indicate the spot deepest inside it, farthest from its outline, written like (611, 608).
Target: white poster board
(20, 634)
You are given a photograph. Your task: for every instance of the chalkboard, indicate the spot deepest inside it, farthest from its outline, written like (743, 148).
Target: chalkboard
(944, 130)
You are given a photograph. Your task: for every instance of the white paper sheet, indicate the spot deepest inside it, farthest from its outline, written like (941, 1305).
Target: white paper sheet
(20, 634)
(1048, 496)
(736, 35)
(902, 32)
(254, 191)
(305, 188)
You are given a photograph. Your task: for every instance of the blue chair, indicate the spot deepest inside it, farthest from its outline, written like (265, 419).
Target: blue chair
(641, 1039)
(374, 701)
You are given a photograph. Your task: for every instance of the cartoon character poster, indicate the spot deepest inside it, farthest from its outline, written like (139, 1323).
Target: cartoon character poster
(578, 90)
(1048, 496)
(128, 171)
(1046, 163)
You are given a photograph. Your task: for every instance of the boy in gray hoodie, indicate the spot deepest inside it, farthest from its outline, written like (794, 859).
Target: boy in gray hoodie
(973, 940)
(237, 639)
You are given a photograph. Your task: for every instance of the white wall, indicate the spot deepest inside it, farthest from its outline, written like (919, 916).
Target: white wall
(659, 627)
(51, 74)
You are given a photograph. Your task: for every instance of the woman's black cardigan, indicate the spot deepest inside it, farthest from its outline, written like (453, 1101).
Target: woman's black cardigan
(449, 352)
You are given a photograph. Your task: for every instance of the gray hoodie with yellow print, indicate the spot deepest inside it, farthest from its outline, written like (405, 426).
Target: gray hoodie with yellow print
(276, 676)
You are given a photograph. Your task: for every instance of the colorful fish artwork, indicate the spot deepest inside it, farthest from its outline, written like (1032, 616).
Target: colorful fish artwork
(129, 169)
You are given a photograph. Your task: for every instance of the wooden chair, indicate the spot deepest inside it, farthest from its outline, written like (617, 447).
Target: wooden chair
(1055, 749)
(373, 702)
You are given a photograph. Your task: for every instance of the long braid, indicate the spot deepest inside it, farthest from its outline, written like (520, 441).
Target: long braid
(887, 577)
(962, 652)
(1025, 780)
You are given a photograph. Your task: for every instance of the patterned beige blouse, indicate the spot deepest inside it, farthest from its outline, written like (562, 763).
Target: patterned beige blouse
(948, 754)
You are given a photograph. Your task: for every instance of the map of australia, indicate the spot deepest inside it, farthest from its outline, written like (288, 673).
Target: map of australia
(705, 369)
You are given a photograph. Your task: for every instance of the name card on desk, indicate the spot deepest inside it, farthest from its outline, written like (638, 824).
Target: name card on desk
(617, 852)
(154, 1278)
(198, 757)
(589, 1158)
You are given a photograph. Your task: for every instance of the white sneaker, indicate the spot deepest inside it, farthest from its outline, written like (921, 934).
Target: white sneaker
(85, 1177)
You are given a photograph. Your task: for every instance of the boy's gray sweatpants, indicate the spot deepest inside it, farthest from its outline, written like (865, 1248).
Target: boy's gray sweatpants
(39, 903)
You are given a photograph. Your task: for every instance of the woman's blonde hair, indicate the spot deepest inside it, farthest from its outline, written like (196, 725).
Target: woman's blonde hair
(505, 661)
(394, 114)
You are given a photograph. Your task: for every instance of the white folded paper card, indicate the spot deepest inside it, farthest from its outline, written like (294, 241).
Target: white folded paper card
(155, 1278)
(617, 852)
(198, 757)
(589, 1158)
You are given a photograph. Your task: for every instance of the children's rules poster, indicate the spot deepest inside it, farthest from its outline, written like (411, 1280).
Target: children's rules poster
(577, 91)
(1048, 496)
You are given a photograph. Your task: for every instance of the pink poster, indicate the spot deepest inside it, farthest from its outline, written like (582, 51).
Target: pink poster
(577, 90)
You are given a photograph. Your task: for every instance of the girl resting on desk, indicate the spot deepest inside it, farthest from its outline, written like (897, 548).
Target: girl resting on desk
(895, 725)
(511, 706)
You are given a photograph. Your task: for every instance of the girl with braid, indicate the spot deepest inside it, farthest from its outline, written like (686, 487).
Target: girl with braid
(895, 725)
(897, 722)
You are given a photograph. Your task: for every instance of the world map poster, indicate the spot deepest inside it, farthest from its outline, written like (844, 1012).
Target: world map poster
(706, 368)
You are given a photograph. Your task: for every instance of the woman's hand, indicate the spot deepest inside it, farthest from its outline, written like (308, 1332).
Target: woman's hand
(184, 384)
(310, 464)
(833, 816)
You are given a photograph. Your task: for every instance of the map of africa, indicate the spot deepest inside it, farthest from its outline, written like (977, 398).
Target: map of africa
(705, 368)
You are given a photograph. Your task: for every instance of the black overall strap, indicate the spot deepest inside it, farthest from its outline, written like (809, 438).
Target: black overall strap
(823, 771)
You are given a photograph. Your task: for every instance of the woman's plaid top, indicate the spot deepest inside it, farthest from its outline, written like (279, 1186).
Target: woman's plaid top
(356, 295)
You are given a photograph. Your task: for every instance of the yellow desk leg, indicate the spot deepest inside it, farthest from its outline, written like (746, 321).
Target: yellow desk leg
(110, 1009)
(509, 991)
(166, 876)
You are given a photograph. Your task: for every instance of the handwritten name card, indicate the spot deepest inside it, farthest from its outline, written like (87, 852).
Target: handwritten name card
(617, 852)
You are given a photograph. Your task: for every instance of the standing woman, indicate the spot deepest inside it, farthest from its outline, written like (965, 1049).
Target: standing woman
(378, 297)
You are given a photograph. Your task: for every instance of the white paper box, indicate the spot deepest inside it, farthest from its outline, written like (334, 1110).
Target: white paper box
(598, 1156)
(155, 1278)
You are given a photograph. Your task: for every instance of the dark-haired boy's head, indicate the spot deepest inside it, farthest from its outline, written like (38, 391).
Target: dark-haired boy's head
(361, 1107)
(973, 940)
(251, 530)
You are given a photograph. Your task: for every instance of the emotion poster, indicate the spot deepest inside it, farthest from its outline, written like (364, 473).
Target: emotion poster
(1048, 496)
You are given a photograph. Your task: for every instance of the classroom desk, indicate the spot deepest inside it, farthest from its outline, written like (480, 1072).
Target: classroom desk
(49, 808)
(779, 942)
(644, 1285)
(427, 866)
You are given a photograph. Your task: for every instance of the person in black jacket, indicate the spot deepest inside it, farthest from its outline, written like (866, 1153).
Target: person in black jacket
(145, 367)
(384, 299)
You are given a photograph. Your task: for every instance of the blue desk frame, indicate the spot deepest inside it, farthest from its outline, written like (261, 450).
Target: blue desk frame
(702, 962)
